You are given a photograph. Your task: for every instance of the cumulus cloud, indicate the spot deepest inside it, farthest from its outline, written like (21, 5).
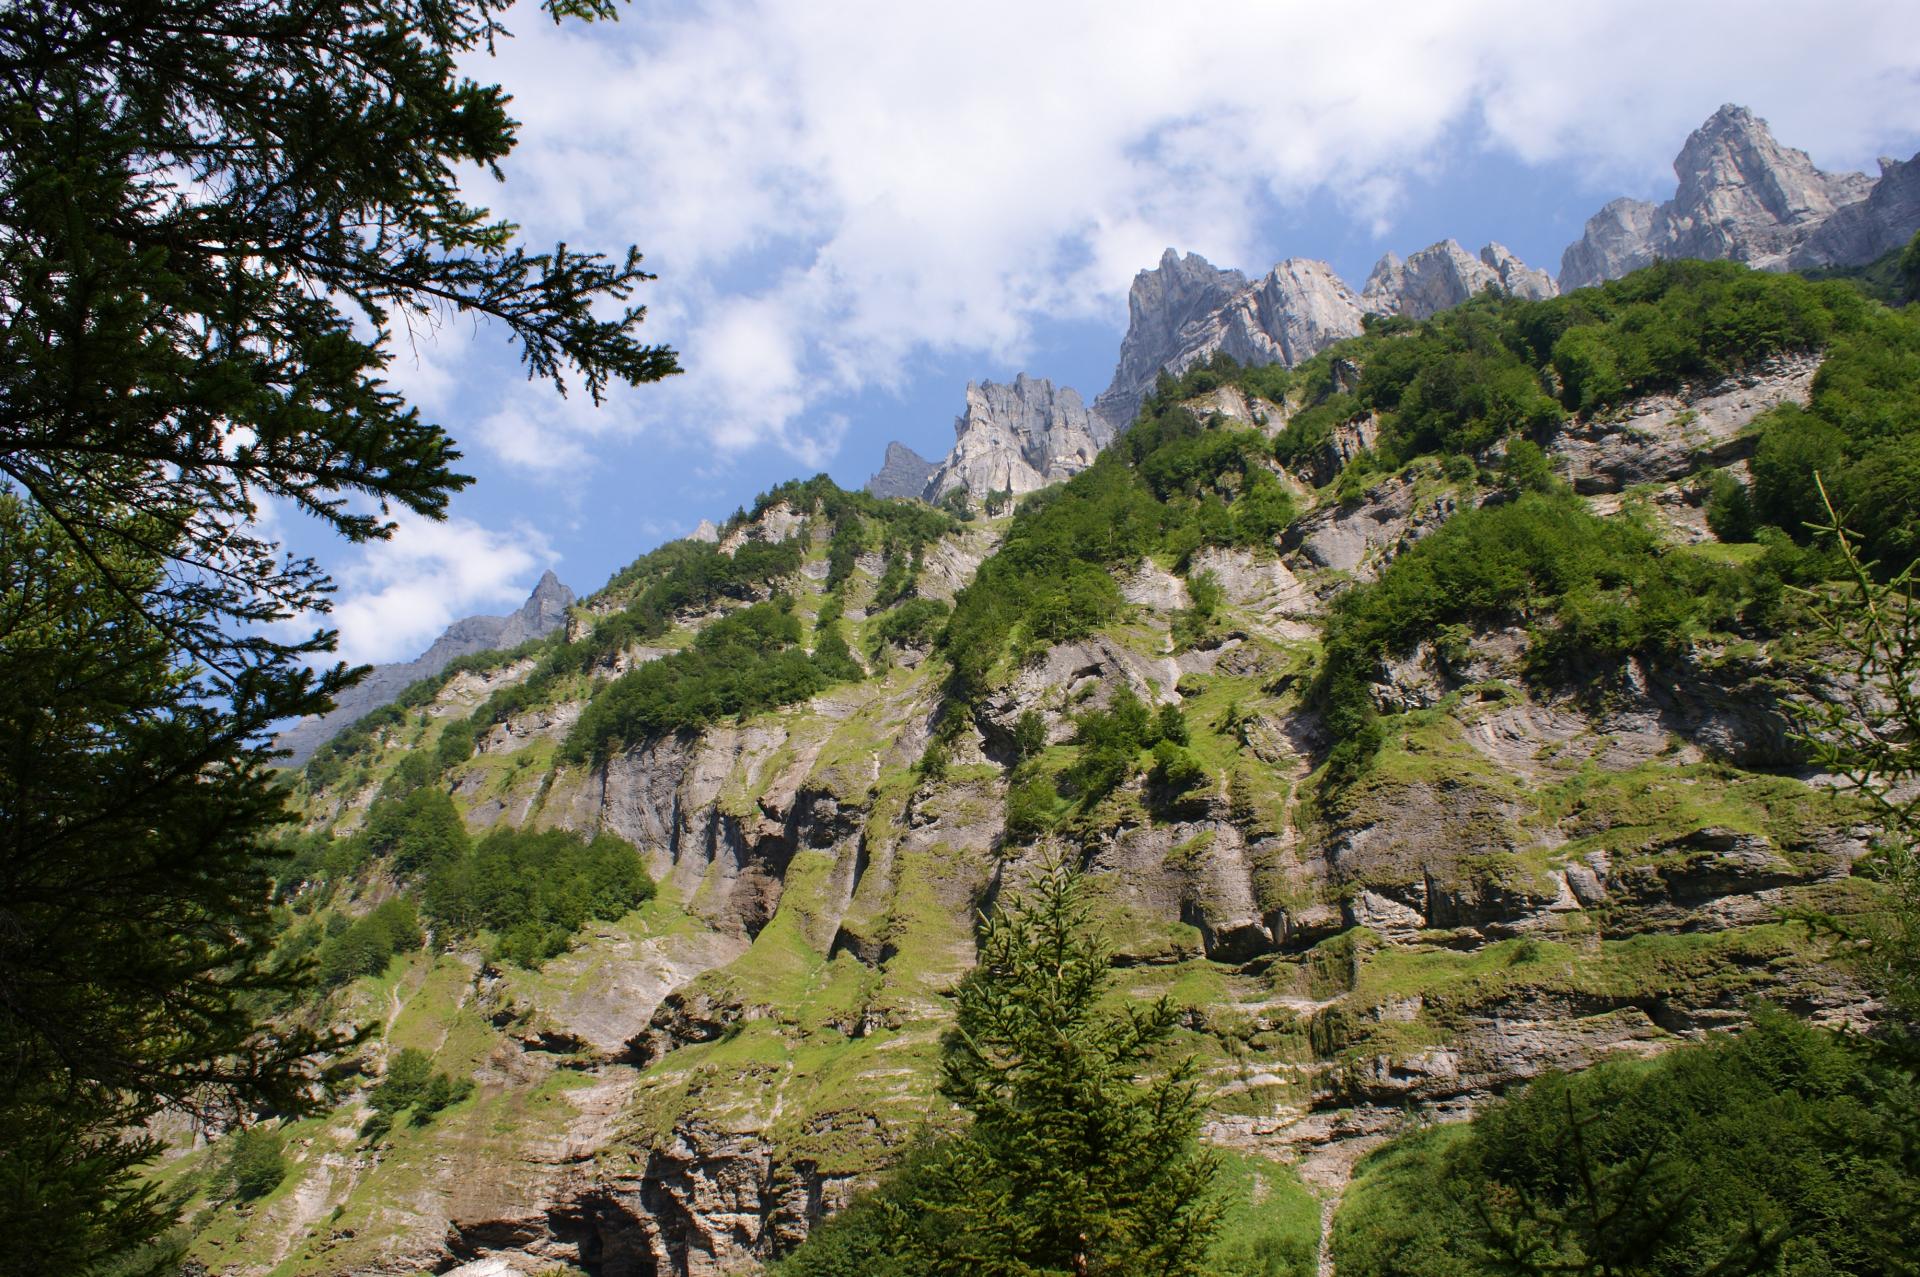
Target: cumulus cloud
(833, 190)
(397, 595)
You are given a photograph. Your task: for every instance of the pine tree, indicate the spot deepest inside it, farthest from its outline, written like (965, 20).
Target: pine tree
(217, 218)
(1081, 1157)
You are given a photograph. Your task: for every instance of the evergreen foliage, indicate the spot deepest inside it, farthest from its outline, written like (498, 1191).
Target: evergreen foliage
(366, 945)
(213, 215)
(1773, 1152)
(746, 661)
(1081, 1155)
(412, 1083)
(534, 891)
(252, 1164)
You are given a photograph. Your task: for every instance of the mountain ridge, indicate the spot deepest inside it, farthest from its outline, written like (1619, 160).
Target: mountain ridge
(543, 612)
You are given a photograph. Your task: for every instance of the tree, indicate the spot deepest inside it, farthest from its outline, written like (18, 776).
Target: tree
(254, 1164)
(198, 200)
(217, 218)
(1867, 731)
(1081, 1156)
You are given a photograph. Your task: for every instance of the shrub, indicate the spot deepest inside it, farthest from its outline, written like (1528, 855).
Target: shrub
(254, 1164)
(535, 890)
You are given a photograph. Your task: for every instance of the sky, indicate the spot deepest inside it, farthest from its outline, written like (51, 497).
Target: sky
(854, 209)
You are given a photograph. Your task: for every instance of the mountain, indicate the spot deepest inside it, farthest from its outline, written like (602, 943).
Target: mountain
(1443, 276)
(1406, 782)
(1014, 437)
(1184, 311)
(1018, 437)
(544, 612)
(1162, 303)
(903, 474)
(1743, 197)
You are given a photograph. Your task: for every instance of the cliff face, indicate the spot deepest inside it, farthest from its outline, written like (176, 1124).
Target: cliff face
(1017, 438)
(544, 612)
(904, 473)
(1535, 873)
(1743, 197)
(1443, 276)
(687, 1090)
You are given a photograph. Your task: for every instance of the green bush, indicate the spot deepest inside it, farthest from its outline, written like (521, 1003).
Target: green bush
(410, 1082)
(1774, 1151)
(366, 945)
(535, 890)
(253, 1164)
(746, 661)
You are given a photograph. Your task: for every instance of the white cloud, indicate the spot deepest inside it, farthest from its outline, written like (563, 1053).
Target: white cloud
(397, 595)
(832, 190)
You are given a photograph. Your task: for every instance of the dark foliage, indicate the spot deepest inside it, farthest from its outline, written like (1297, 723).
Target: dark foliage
(1773, 1152)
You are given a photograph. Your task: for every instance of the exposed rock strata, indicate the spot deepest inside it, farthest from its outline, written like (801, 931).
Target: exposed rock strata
(1017, 438)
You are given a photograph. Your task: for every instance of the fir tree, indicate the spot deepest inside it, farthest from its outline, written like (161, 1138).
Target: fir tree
(217, 217)
(1081, 1157)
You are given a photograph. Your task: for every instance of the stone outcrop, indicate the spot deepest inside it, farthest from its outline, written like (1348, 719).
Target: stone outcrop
(1294, 312)
(1444, 275)
(544, 612)
(1744, 197)
(1017, 437)
(1869, 228)
(1162, 302)
(904, 473)
(1185, 311)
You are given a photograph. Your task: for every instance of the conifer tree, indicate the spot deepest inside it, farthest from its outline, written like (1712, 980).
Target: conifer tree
(1081, 1157)
(217, 219)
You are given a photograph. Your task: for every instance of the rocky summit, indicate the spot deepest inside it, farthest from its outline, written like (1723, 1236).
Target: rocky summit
(1744, 197)
(544, 612)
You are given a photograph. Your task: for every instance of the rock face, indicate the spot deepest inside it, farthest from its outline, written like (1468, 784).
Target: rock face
(1017, 437)
(1743, 197)
(544, 612)
(1442, 276)
(1297, 310)
(904, 473)
(1162, 302)
(1872, 227)
(1184, 311)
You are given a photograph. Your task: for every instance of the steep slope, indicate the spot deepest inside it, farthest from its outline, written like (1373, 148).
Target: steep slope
(544, 611)
(1410, 766)
(1744, 197)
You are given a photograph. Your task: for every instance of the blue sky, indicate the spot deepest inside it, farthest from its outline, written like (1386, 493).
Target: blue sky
(854, 209)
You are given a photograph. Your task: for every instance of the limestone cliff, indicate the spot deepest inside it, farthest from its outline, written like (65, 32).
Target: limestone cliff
(904, 473)
(1744, 197)
(1163, 301)
(686, 1091)
(1017, 437)
(1444, 275)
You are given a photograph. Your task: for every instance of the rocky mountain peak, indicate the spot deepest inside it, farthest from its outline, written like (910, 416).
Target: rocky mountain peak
(904, 473)
(1740, 196)
(1016, 437)
(544, 611)
(1732, 171)
(1441, 276)
(1174, 294)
